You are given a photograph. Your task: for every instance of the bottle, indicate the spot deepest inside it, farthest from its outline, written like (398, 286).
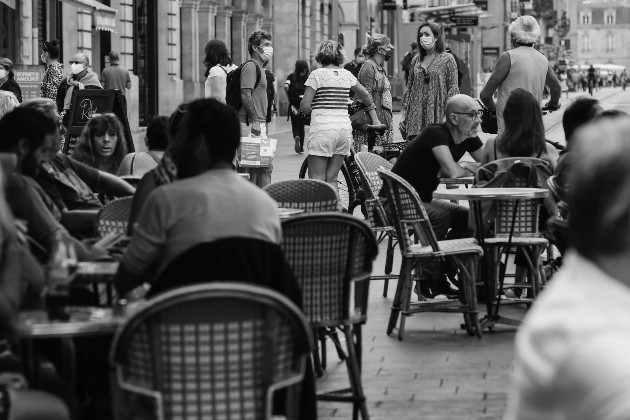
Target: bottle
(59, 272)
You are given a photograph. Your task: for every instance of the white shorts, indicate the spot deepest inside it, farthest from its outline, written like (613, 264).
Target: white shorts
(329, 141)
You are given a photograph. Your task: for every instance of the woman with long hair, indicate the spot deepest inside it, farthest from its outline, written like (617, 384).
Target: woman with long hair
(524, 133)
(54, 70)
(102, 143)
(294, 88)
(218, 64)
(432, 82)
(373, 76)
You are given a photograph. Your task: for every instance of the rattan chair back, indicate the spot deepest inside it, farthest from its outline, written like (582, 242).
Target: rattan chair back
(212, 351)
(114, 217)
(408, 213)
(331, 254)
(309, 195)
(368, 163)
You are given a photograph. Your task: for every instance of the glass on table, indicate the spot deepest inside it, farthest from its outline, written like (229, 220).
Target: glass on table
(61, 268)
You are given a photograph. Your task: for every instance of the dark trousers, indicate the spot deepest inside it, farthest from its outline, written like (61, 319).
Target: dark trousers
(297, 127)
(444, 215)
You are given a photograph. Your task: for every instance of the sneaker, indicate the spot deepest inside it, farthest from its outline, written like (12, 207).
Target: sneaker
(445, 288)
(298, 147)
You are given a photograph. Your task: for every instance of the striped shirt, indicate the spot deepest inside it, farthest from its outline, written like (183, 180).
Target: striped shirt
(332, 91)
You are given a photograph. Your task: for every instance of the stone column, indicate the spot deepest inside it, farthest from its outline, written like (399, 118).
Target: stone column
(223, 30)
(207, 29)
(190, 54)
(239, 35)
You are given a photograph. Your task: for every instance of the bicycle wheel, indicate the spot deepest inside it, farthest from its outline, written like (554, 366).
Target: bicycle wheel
(347, 194)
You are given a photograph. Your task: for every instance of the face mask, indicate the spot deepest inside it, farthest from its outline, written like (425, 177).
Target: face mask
(76, 68)
(43, 57)
(267, 53)
(3, 73)
(360, 60)
(387, 55)
(427, 42)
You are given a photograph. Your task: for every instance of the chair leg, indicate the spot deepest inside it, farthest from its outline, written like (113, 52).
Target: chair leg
(322, 342)
(405, 272)
(332, 333)
(317, 363)
(354, 374)
(405, 299)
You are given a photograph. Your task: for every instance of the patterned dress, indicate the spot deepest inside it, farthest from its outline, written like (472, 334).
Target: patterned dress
(374, 79)
(427, 92)
(51, 81)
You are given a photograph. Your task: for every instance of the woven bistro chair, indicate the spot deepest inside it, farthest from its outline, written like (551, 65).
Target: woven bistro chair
(331, 255)
(114, 217)
(382, 227)
(309, 195)
(410, 219)
(212, 351)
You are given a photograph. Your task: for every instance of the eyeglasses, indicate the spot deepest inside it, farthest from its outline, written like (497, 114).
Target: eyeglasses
(472, 114)
(76, 62)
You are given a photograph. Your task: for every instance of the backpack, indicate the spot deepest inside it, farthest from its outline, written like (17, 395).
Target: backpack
(233, 86)
(296, 88)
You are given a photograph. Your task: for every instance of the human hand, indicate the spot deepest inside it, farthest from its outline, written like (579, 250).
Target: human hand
(403, 129)
(256, 128)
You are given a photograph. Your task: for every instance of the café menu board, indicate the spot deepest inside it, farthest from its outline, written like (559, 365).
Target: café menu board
(88, 102)
(30, 83)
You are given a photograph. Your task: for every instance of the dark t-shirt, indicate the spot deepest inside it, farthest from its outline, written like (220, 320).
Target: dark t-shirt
(70, 184)
(355, 72)
(417, 163)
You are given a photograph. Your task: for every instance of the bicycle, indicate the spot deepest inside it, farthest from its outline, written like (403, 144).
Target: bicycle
(349, 182)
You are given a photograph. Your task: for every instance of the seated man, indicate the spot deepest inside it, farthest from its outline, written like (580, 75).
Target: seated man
(29, 134)
(434, 153)
(571, 350)
(215, 204)
(70, 184)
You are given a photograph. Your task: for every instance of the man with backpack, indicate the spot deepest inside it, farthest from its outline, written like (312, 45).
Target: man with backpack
(252, 113)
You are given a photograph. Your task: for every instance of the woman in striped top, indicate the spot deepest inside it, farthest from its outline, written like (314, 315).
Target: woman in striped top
(326, 95)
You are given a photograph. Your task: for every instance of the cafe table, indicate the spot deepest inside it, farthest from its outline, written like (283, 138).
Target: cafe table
(475, 196)
(96, 274)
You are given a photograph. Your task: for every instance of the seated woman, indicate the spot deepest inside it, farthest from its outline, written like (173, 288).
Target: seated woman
(157, 140)
(102, 143)
(524, 134)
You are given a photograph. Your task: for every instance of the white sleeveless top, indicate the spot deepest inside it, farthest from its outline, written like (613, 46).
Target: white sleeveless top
(528, 70)
(220, 72)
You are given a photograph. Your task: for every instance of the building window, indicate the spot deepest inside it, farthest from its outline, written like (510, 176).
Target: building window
(586, 43)
(610, 43)
(610, 17)
(585, 18)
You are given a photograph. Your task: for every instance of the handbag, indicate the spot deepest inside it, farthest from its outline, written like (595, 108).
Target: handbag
(362, 116)
(489, 122)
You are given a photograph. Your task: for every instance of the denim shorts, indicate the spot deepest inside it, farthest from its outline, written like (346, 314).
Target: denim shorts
(329, 141)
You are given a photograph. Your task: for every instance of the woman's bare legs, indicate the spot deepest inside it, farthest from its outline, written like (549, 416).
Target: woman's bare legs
(325, 169)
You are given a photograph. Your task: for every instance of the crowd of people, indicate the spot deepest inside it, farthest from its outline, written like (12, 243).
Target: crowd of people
(187, 192)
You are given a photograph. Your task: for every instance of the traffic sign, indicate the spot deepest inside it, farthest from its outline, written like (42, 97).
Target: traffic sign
(465, 20)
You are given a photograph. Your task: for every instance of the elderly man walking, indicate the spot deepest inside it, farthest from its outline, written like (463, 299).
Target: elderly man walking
(521, 67)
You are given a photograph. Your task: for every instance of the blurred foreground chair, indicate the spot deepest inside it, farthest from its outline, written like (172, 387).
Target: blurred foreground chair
(309, 195)
(331, 255)
(114, 217)
(368, 163)
(212, 351)
(410, 218)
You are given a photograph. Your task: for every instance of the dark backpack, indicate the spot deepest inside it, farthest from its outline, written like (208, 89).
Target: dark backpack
(233, 86)
(296, 88)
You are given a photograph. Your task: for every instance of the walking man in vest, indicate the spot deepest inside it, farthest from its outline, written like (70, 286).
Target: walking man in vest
(521, 67)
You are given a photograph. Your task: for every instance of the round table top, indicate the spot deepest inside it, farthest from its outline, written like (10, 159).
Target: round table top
(84, 321)
(287, 212)
(465, 180)
(471, 194)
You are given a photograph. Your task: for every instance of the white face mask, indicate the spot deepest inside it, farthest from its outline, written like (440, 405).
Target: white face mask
(267, 53)
(76, 68)
(3, 73)
(427, 42)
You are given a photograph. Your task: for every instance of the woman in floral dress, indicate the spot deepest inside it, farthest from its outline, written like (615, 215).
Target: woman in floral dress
(432, 81)
(54, 70)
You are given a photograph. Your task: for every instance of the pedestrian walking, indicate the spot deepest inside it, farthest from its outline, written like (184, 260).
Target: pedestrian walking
(218, 65)
(294, 88)
(432, 82)
(373, 76)
(326, 98)
(405, 63)
(521, 67)
(355, 65)
(54, 70)
(253, 113)
(7, 78)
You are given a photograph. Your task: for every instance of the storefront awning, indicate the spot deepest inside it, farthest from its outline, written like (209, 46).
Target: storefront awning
(104, 17)
(10, 3)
